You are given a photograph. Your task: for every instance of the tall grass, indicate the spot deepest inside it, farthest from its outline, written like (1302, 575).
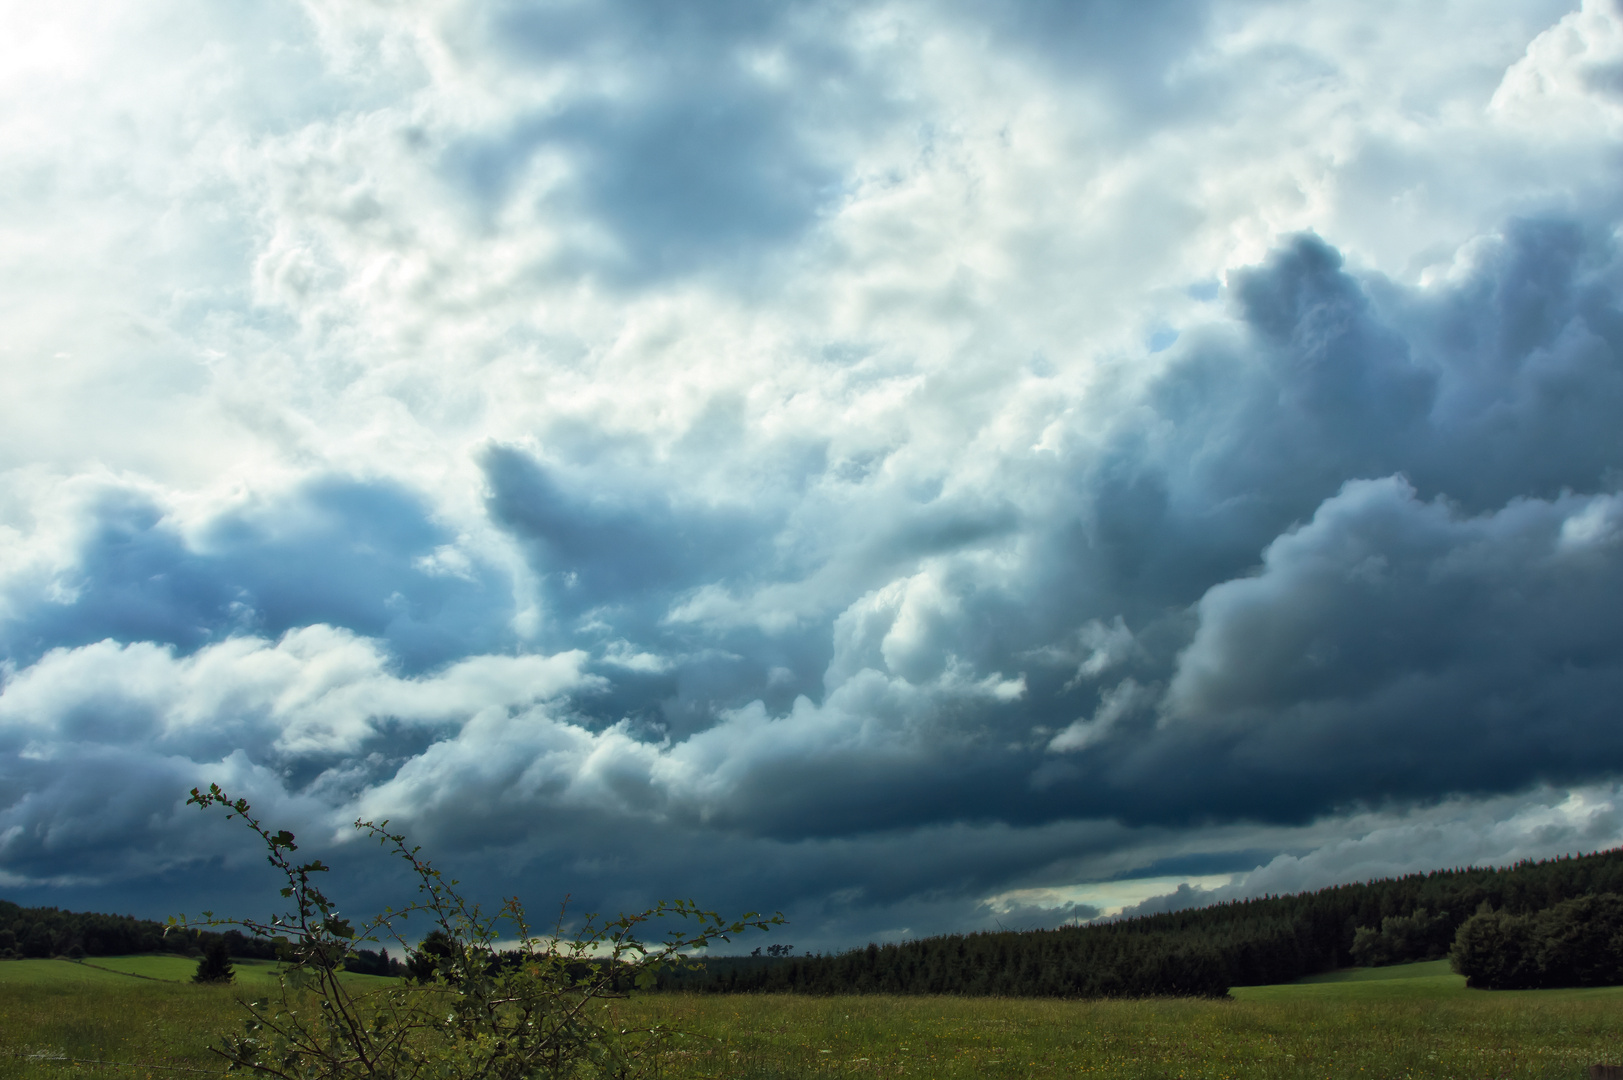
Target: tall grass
(87, 1014)
(1422, 1025)
(1467, 1035)
(140, 1011)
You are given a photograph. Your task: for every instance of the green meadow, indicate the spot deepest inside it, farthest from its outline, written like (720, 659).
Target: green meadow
(59, 1019)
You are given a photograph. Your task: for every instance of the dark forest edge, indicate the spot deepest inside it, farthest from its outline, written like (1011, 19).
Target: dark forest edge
(1557, 922)
(43, 932)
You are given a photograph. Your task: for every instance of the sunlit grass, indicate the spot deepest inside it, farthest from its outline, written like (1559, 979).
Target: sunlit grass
(53, 1009)
(140, 1010)
(1308, 1031)
(1415, 1020)
(181, 968)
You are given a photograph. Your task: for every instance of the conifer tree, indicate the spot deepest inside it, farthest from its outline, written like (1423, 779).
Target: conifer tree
(215, 966)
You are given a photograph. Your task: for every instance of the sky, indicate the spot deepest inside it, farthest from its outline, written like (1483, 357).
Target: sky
(916, 466)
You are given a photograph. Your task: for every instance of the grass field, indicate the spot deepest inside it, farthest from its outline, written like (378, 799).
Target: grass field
(1416, 1020)
(119, 970)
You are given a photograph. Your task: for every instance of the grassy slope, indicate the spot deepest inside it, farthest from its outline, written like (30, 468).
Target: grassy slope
(54, 1007)
(119, 970)
(100, 1010)
(1432, 980)
(1429, 969)
(1415, 1020)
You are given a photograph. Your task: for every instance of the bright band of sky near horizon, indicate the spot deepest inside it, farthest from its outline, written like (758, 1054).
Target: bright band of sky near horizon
(920, 466)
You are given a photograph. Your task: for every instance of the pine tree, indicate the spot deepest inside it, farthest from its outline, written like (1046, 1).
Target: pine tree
(215, 966)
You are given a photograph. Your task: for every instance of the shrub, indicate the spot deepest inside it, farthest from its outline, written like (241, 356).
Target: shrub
(471, 1010)
(1578, 942)
(1494, 950)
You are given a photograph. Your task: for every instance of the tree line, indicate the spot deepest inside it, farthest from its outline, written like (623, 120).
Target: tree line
(1204, 951)
(1532, 924)
(47, 931)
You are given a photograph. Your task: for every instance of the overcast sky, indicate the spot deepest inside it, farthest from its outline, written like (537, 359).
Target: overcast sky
(919, 466)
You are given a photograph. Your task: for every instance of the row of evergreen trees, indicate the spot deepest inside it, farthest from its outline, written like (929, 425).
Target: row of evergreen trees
(42, 932)
(1523, 930)
(45, 932)
(1199, 951)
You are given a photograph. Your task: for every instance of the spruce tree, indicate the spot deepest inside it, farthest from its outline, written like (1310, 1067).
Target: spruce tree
(215, 966)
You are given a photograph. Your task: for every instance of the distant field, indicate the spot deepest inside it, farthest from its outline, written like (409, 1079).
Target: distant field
(1416, 1020)
(104, 970)
(1430, 969)
(120, 970)
(1402, 982)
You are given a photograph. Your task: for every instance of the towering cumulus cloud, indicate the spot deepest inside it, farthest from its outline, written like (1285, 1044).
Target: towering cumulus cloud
(911, 466)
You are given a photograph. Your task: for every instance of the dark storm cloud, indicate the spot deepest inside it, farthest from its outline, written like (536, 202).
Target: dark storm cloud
(1422, 474)
(1391, 649)
(621, 565)
(1390, 646)
(356, 554)
(1438, 469)
(1499, 386)
(601, 545)
(613, 561)
(1248, 437)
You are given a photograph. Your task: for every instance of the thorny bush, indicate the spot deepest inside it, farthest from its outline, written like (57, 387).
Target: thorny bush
(491, 999)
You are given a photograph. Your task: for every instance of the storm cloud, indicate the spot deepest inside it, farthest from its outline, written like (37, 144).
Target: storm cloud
(916, 468)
